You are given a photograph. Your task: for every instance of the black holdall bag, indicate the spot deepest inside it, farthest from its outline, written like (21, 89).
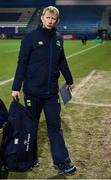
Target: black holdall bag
(3, 114)
(18, 139)
(3, 120)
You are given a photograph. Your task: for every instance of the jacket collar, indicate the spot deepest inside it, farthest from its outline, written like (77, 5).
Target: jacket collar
(40, 27)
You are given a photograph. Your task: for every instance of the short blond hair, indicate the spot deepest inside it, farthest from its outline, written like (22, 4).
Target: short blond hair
(51, 9)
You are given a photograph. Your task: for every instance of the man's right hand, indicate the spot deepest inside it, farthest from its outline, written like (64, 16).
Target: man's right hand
(15, 95)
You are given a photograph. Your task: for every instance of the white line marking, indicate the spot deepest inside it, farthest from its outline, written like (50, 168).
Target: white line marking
(80, 52)
(75, 54)
(91, 104)
(82, 84)
(6, 81)
(84, 81)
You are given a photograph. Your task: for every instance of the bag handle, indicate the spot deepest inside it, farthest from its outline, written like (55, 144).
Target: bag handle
(16, 99)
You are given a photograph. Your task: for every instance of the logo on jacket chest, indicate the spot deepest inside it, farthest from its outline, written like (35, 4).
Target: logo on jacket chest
(58, 43)
(40, 43)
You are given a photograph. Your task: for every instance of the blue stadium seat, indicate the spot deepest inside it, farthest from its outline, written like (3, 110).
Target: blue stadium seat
(80, 18)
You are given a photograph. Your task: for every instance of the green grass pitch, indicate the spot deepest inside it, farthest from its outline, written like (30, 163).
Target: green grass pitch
(86, 127)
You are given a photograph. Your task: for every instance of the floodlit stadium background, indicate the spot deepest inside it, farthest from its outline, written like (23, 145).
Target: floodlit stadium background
(86, 120)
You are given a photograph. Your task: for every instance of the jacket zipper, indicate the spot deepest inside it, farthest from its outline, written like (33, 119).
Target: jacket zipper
(50, 66)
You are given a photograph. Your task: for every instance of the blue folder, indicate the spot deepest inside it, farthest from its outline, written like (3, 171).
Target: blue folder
(65, 94)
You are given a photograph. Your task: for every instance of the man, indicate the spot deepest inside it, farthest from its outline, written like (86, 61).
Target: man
(41, 59)
(84, 39)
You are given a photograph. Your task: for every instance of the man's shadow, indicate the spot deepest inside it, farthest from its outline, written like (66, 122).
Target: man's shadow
(3, 174)
(62, 176)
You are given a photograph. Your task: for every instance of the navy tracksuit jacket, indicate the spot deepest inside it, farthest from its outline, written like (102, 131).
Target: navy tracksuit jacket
(41, 59)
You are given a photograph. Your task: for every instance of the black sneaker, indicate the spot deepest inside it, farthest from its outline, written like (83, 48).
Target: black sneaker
(64, 168)
(36, 163)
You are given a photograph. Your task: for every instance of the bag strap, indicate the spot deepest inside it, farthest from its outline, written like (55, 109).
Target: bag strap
(16, 100)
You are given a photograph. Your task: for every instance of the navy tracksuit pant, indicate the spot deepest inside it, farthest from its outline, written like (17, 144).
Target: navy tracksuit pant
(51, 107)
